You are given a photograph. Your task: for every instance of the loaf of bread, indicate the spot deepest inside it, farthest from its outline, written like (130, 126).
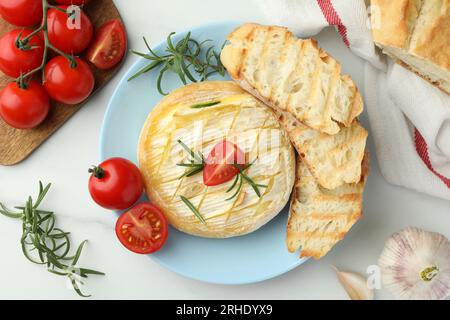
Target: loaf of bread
(293, 75)
(319, 217)
(416, 33)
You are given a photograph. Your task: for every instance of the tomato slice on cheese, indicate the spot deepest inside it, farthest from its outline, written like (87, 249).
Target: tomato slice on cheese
(223, 163)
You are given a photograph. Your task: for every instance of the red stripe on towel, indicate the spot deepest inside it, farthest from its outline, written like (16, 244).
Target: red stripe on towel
(422, 150)
(333, 18)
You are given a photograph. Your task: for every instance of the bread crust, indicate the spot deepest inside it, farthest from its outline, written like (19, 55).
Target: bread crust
(393, 21)
(432, 40)
(434, 83)
(417, 33)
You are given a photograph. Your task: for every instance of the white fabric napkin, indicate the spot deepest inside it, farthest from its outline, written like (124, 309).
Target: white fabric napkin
(409, 118)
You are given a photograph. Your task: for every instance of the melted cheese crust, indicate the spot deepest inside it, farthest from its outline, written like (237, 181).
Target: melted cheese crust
(240, 118)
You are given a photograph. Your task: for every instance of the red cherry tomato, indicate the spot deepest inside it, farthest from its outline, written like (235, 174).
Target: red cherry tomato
(221, 163)
(65, 34)
(22, 13)
(142, 229)
(15, 60)
(75, 2)
(24, 108)
(67, 84)
(109, 45)
(116, 184)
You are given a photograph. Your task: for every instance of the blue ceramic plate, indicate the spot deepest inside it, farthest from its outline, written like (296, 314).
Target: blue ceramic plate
(255, 257)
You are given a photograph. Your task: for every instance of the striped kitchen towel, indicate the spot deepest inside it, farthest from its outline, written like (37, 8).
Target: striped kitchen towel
(409, 118)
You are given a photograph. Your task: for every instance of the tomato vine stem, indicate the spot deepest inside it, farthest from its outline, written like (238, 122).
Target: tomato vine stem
(21, 80)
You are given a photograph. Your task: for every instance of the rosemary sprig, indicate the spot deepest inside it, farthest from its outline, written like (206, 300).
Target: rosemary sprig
(183, 58)
(196, 163)
(193, 209)
(43, 243)
(240, 178)
(238, 190)
(205, 104)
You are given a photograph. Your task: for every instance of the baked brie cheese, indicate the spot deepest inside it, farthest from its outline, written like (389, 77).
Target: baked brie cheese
(199, 116)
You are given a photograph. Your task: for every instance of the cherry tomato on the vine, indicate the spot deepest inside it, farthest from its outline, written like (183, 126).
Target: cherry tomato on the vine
(22, 13)
(72, 34)
(24, 108)
(67, 83)
(116, 183)
(109, 45)
(16, 60)
(142, 229)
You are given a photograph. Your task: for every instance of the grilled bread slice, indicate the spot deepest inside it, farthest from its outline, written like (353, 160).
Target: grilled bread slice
(333, 160)
(292, 74)
(318, 217)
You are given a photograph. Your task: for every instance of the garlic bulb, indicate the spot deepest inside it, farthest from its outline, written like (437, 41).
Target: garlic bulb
(415, 264)
(355, 285)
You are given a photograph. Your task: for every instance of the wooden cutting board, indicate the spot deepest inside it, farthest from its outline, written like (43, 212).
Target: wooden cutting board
(16, 145)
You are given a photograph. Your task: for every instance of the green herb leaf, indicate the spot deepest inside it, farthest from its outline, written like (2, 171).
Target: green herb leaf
(84, 271)
(78, 253)
(197, 161)
(205, 104)
(234, 183)
(197, 157)
(238, 190)
(190, 173)
(193, 209)
(243, 177)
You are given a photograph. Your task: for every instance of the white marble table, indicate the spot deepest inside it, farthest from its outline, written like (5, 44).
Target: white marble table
(64, 160)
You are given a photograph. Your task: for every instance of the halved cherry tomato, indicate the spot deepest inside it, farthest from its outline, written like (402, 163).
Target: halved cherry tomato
(22, 13)
(66, 83)
(142, 229)
(116, 184)
(65, 34)
(24, 108)
(15, 60)
(109, 45)
(221, 163)
(75, 2)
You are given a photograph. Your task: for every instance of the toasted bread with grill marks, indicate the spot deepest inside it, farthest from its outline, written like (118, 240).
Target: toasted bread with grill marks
(333, 160)
(319, 217)
(293, 75)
